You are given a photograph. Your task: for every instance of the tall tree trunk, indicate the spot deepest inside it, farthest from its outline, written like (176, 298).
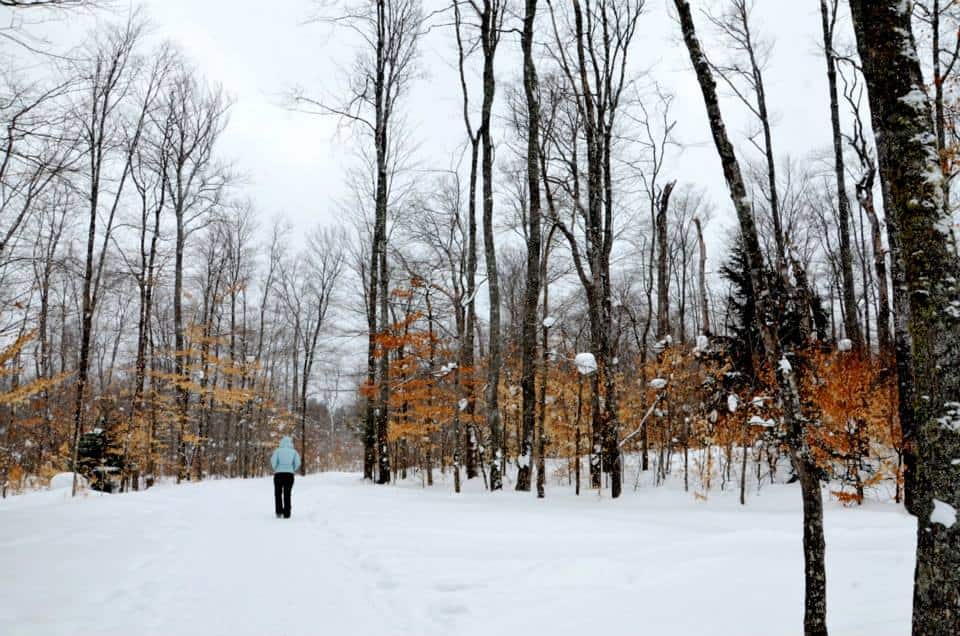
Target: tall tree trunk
(939, 111)
(146, 285)
(884, 340)
(851, 324)
(663, 274)
(44, 371)
(815, 606)
(494, 354)
(379, 256)
(45, 276)
(702, 281)
(181, 358)
(370, 418)
(643, 345)
(528, 380)
(383, 405)
(764, 117)
(466, 312)
(468, 358)
(866, 278)
(541, 435)
(926, 302)
(86, 325)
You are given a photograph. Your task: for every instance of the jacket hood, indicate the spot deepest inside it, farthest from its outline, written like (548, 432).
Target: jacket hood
(286, 442)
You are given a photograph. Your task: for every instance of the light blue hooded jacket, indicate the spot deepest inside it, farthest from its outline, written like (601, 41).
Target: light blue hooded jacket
(285, 459)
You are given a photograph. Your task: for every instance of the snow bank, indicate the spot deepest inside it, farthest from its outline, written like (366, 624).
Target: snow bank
(64, 481)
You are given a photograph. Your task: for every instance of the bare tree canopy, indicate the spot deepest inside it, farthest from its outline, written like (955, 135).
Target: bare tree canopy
(654, 255)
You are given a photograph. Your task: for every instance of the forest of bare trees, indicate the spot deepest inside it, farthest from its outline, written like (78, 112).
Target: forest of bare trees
(145, 299)
(551, 303)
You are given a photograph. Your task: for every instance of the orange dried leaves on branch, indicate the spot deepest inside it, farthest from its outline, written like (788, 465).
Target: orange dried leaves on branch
(858, 440)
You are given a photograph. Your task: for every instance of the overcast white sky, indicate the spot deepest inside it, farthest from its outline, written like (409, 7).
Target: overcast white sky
(294, 163)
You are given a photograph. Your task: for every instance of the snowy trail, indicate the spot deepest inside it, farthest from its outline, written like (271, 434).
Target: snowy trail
(357, 559)
(207, 558)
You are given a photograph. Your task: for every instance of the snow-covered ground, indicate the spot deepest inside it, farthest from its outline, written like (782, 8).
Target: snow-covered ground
(210, 559)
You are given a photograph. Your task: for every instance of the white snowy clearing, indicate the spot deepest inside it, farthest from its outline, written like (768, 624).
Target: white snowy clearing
(210, 559)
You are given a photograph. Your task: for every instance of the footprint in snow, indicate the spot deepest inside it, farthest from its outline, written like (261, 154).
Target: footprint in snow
(453, 610)
(454, 587)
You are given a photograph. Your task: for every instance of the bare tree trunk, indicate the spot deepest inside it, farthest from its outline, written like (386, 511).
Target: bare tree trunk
(663, 275)
(884, 340)
(865, 198)
(85, 335)
(379, 251)
(467, 315)
(490, 37)
(940, 77)
(370, 419)
(44, 274)
(383, 403)
(926, 297)
(541, 435)
(815, 609)
(467, 356)
(181, 361)
(531, 297)
(851, 323)
(866, 278)
(490, 22)
(702, 280)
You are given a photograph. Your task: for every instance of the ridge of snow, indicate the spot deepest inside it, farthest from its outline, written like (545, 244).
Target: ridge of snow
(64, 481)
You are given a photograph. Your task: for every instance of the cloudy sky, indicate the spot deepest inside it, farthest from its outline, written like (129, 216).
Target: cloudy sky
(294, 163)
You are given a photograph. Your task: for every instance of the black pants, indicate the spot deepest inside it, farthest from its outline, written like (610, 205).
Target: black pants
(282, 485)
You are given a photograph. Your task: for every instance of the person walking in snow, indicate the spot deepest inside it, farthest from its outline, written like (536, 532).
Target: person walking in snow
(285, 461)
